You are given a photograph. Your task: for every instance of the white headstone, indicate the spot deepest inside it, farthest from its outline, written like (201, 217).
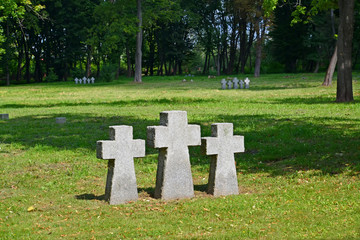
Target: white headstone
(121, 184)
(247, 82)
(84, 80)
(173, 178)
(76, 80)
(92, 80)
(221, 147)
(88, 80)
(80, 80)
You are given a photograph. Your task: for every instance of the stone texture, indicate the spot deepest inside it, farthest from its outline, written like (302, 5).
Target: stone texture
(230, 84)
(241, 84)
(174, 178)
(223, 84)
(236, 83)
(60, 120)
(4, 116)
(247, 83)
(221, 147)
(121, 184)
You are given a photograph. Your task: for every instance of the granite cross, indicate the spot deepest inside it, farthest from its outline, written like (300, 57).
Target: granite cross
(223, 83)
(222, 146)
(121, 180)
(173, 178)
(230, 84)
(241, 84)
(236, 83)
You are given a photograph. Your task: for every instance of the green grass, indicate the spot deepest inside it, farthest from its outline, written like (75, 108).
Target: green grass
(299, 177)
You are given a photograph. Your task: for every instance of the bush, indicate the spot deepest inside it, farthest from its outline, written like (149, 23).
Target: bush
(107, 73)
(51, 77)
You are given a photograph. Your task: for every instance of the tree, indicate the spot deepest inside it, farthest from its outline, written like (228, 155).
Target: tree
(138, 54)
(344, 91)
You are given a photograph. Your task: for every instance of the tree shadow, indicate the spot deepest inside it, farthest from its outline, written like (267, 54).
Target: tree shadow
(274, 145)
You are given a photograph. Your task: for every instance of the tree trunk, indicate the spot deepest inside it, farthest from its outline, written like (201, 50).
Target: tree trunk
(7, 54)
(330, 71)
(88, 62)
(128, 61)
(138, 54)
(344, 92)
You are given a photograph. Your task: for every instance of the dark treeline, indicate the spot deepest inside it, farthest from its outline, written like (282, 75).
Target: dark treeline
(62, 39)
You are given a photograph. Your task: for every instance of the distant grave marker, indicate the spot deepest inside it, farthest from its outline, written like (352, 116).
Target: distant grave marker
(60, 120)
(4, 116)
(223, 84)
(236, 83)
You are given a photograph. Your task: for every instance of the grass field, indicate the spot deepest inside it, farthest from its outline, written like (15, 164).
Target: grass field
(299, 177)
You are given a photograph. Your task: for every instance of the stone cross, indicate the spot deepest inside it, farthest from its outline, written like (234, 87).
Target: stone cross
(236, 83)
(229, 84)
(247, 82)
(80, 80)
(121, 184)
(223, 83)
(241, 84)
(173, 178)
(76, 80)
(88, 80)
(84, 80)
(4, 116)
(92, 80)
(221, 147)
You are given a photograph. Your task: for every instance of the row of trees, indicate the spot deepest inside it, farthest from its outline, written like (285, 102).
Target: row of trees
(58, 39)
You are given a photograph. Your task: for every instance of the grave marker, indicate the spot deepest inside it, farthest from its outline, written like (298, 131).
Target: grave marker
(121, 184)
(92, 80)
(60, 120)
(223, 83)
(221, 147)
(229, 84)
(4, 116)
(241, 84)
(76, 80)
(247, 83)
(173, 178)
(236, 83)
(84, 80)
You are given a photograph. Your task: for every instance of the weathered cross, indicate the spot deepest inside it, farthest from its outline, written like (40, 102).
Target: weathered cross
(230, 84)
(236, 83)
(120, 151)
(223, 83)
(222, 146)
(173, 178)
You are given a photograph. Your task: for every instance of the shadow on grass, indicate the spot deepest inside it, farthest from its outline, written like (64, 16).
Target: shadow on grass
(278, 146)
(137, 102)
(88, 196)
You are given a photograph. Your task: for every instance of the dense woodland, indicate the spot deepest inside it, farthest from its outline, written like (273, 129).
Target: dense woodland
(56, 40)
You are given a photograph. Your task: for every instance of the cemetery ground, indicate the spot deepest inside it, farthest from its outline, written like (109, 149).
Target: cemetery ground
(299, 177)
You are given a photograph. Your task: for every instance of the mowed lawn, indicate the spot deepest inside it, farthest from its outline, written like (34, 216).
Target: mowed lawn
(299, 177)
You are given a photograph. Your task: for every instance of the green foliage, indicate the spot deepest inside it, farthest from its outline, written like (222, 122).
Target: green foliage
(108, 72)
(52, 77)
